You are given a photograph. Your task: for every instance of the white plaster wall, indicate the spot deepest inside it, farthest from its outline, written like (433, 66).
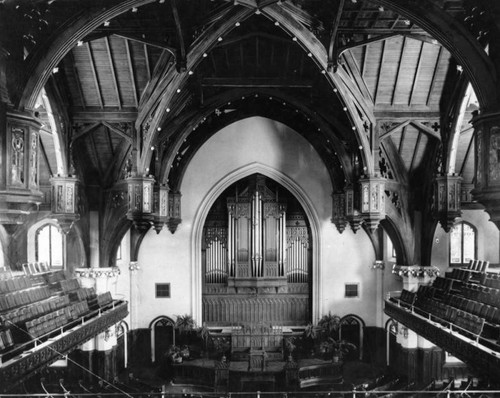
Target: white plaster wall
(344, 257)
(488, 239)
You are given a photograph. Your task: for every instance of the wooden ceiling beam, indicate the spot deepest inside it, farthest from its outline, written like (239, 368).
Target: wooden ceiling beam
(255, 82)
(46, 158)
(356, 75)
(113, 72)
(333, 48)
(96, 158)
(434, 74)
(149, 42)
(89, 116)
(416, 75)
(429, 131)
(85, 131)
(415, 151)
(132, 73)
(77, 78)
(118, 131)
(146, 58)
(401, 140)
(365, 42)
(180, 56)
(467, 154)
(395, 129)
(382, 57)
(400, 63)
(109, 141)
(94, 74)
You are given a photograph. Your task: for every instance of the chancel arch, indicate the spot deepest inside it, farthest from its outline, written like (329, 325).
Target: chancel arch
(202, 216)
(256, 256)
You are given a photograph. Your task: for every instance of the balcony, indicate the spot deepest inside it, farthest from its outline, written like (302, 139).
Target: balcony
(449, 337)
(21, 362)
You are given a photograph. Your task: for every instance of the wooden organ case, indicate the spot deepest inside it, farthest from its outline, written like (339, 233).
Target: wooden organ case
(256, 259)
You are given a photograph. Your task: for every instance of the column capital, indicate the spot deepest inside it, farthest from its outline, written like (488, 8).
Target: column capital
(97, 272)
(377, 265)
(134, 266)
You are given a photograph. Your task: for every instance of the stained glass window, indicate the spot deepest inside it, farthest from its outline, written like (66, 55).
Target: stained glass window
(462, 244)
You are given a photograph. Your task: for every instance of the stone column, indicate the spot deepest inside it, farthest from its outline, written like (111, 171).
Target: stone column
(487, 169)
(378, 267)
(134, 294)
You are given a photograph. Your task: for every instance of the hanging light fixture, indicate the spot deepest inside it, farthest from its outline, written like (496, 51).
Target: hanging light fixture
(339, 211)
(64, 203)
(447, 191)
(351, 213)
(372, 200)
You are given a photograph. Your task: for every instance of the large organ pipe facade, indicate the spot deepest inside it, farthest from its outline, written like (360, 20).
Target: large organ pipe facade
(256, 258)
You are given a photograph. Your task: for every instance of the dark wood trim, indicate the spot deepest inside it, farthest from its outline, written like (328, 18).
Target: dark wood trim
(94, 74)
(417, 73)
(400, 63)
(255, 82)
(382, 56)
(113, 72)
(85, 131)
(88, 115)
(132, 73)
(118, 131)
(433, 81)
(45, 157)
(415, 151)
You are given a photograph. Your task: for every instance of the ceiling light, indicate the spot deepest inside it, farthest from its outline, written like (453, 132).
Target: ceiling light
(294, 38)
(152, 148)
(205, 55)
(178, 90)
(345, 108)
(55, 70)
(159, 129)
(79, 43)
(309, 55)
(237, 24)
(335, 89)
(257, 11)
(134, 9)
(168, 109)
(219, 39)
(277, 23)
(190, 72)
(353, 127)
(106, 23)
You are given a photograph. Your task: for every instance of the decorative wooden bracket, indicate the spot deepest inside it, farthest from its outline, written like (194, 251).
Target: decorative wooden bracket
(181, 61)
(333, 48)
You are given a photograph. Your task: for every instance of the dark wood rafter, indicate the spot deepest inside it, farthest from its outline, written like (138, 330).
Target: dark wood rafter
(109, 141)
(146, 42)
(256, 82)
(429, 131)
(415, 152)
(394, 129)
(97, 115)
(365, 57)
(416, 75)
(356, 75)
(46, 57)
(146, 60)
(461, 44)
(132, 73)
(46, 158)
(467, 154)
(181, 54)
(113, 72)
(434, 74)
(96, 158)
(398, 72)
(402, 140)
(77, 78)
(85, 131)
(118, 131)
(170, 83)
(113, 172)
(369, 40)
(94, 74)
(333, 48)
(382, 56)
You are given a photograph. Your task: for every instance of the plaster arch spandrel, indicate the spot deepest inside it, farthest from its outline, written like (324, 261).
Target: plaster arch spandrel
(209, 199)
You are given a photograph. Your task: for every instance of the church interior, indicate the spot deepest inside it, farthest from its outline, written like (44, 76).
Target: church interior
(207, 198)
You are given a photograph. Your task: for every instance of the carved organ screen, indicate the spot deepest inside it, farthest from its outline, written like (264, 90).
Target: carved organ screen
(256, 256)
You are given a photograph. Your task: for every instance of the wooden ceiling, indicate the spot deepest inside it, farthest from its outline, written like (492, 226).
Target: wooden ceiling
(402, 74)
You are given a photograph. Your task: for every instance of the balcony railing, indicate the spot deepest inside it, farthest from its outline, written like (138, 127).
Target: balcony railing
(20, 363)
(449, 338)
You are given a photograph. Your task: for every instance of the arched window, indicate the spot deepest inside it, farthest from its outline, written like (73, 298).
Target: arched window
(462, 244)
(49, 245)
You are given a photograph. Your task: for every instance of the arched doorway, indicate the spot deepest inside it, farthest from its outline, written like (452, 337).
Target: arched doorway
(256, 256)
(352, 330)
(162, 336)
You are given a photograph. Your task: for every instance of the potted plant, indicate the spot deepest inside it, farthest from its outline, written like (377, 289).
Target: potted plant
(204, 334)
(290, 347)
(340, 348)
(329, 324)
